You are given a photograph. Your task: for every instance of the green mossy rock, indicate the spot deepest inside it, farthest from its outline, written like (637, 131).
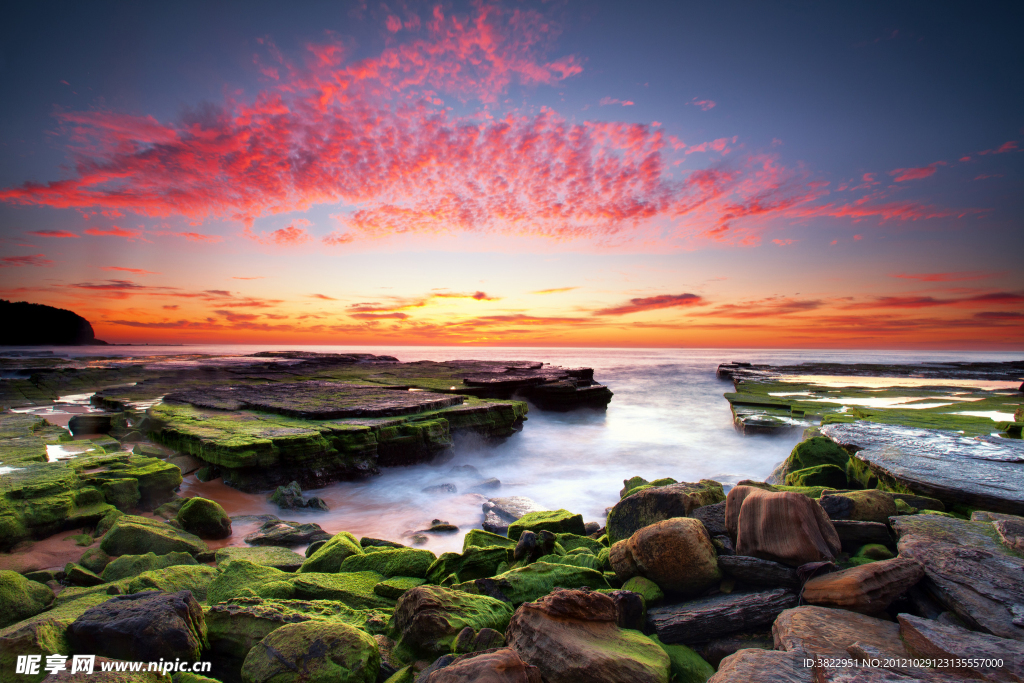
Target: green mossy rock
(818, 450)
(809, 491)
(831, 476)
(330, 555)
(77, 575)
(127, 566)
(534, 581)
(571, 542)
(107, 522)
(649, 590)
(904, 508)
(630, 484)
(237, 576)
(354, 589)
(94, 559)
(194, 578)
(575, 560)
(659, 503)
(404, 675)
(313, 652)
(474, 563)
(485, 539)
(268, 556)
(427, 619)
(204, 518)
(21, 598)
(391, 562)
(686, 665)
(394, 587)
(131, 535)
(122, 493)
(872, 552)
(555, 521)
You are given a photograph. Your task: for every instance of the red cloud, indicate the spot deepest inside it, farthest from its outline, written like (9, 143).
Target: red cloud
(946, 277)
(1010, 146)
(137, 271)
(322, 296)
(54, 233)
(114, 232)
(928, 301)
(903, 174)
(17, 261)
(652, 303)
(197, 237)
(379, 316)
(705, 105)
(784, 243)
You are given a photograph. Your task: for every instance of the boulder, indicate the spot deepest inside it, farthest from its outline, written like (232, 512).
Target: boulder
(268, 556)
(676, 554)
(142, 627)
(330, 555)
(868, 589)
(485, 539)
(832, 476)
(534, 545)
(313, 651)
(817, 450)
(394, 587)
(685, 665)
(763, 666)
(646, 589)
(195, 579)
(528, 583)
(204, 518)
(825, 632)
(21, 598)
(571, 636)
(241, 577)
(354, 589)
(967, 570)
(930, 639)
(131, 535)
(77, 575)
(127, 566)
(391, 562)
(1011, 532)
(288, 497)
(652, 505)
(718, 615)
(783, 527)
(280, 532)
(473, 563)
(853, 535)
(555, 521)
(427, 619)
(500, 512)
(630, 609)
(869, 505)
(754, 571)
(493, 666)
(717, 649)
(94, 559)
(712, 517)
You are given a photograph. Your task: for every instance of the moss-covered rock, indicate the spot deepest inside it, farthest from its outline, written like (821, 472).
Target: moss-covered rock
(77, 575)
(647, 589)
(127, 566)
(204, 518)
(394, 587)
(572, 542)
(555, 521)
(903, 507)
(818, 450)
(312, 651)
(473, 563)
(870, 505)
(241, 577)
(391, 562)
(525, 584)
(330, 555)
(21, 598)
(194, 578)
(268, 556)
(686, 665)
(871, 552)
(656, 504)
(132, 535)
(485, 539)
(427, 619)
(832, 476)
(354, 589)
(585, 559)
(94, 559)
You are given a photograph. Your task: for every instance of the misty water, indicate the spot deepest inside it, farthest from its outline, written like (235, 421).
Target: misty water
(668, 418)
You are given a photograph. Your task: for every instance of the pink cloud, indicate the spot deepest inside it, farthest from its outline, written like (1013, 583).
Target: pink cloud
(115, 231)
(394, 24)
(137, 271)
(18, 261)
(54, 233)
(1010, 146)
(652, 303)
(946, 277)
(605, 101)
(705, 105)
(904, 174)
(784, 243)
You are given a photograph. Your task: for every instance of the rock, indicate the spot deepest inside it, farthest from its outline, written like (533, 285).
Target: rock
(315, 503)
(571, 542)
(646, 588)
(718, 615)
(279, 532)
(77, 575)
(832, 476)
(484, 539)
(194, 578)
(980, 472)
(783, 527)
(495, 666)
(492, 484)
(717, 649)
(930, 640)
(868, 589)
(288, 497)
(329, 556)
(473, 563)
(469, 640)
(763, 666)
(853, 535)
(354, 589)
(440, 526)
(712, 517)
(441, 489)
(395, 562)
(142, 627)
(630, 609)
(131, 535)
(1011, 532)
(816, 451)
(394, 587)
(676, 554)
(967, 570)
(313, 651)
(754, 571)
(367, 542)
(204, 518)
(652, 505)
(506, 510)
(94, 559)
(870, 505)
(241, 577)
(268, 556)
(532, 546)
(90, 423)
(871, 552)
(686, 666)
(127, 566)
(534, 581)
(427, 619)
(186, 463)
(21, 598)
(555, 521)
(100, 676)
(824, 632)
(571, 636)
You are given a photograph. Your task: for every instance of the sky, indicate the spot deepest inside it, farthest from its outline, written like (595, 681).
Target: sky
(679, 174)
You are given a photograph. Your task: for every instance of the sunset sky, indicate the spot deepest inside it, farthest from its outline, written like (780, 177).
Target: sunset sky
(560, 173)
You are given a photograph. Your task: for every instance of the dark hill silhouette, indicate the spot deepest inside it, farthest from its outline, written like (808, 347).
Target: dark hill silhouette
(26, 324)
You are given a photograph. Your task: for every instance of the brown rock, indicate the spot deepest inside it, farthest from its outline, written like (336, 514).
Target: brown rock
(825, 632)
(869, 505)
(763, 666)
(490, 666)
(863, 674)
(930, 639)
(652, 505)
(868, 589)
(783, 527)
(676, 554)
(571, 636)
(718, 615)
(1011, 531)
(757, 572)
(854, 534)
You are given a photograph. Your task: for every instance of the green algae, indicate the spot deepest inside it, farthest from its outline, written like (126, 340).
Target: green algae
(330, 556)
(391, 562)
(485, 539)
(555, 521)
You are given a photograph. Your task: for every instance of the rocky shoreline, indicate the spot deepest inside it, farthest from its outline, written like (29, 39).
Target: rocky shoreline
(880, 550)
